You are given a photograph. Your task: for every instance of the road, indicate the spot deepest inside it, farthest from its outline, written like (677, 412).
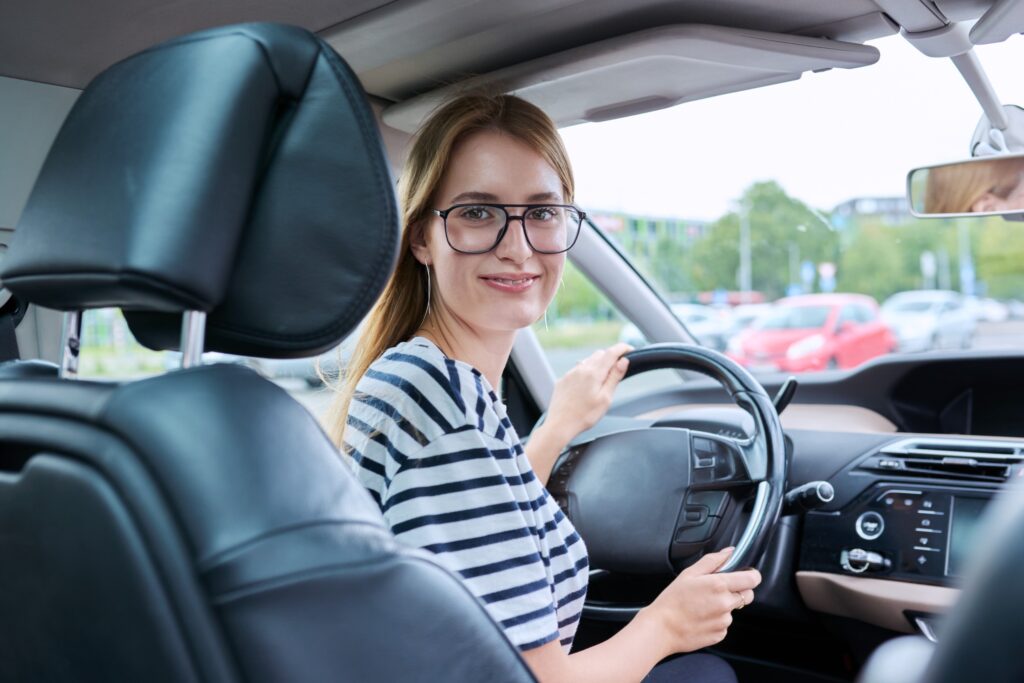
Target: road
(1006, 335)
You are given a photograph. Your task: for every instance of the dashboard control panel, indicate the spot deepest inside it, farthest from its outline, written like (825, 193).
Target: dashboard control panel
(915, 533)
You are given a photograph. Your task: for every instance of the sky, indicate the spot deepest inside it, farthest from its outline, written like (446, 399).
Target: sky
(825, 138)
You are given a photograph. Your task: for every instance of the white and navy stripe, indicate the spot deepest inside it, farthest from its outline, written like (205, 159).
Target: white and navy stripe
(433, 444)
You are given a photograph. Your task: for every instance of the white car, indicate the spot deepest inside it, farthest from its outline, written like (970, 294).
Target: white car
(929, 319)
(709, 327)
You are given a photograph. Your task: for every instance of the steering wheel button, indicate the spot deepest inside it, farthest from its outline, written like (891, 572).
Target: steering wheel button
(695, 534)
(704, 463)
(705, 445)
(714, 501)
(694, 516)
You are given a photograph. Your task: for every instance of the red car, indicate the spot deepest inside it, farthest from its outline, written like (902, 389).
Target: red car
(814, 332)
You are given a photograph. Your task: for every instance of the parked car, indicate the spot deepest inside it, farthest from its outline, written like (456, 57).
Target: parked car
(929, 319)
(814, 332)
(993, 311)
(709, 326)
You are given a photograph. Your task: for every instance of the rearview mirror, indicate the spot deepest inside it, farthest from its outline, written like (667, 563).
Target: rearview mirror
(986, 186)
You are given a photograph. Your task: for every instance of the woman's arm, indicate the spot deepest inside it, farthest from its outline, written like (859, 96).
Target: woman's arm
(626, 657)
(579, 400)
(694, 611)
(543, 448)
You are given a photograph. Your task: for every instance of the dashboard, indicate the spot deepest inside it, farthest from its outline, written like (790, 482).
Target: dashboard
(916, 448)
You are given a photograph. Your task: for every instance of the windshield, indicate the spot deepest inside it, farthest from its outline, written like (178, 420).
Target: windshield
(793, 318)
(797, 189)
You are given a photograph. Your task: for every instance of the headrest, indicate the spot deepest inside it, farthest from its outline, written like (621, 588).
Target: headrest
(237, 171)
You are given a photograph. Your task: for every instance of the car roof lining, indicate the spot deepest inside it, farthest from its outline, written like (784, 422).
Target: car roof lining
(414, 49)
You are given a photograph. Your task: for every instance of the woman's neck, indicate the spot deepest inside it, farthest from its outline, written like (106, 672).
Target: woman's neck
(487, 352)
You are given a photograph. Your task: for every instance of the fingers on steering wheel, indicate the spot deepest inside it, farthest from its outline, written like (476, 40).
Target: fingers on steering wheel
(738, 582)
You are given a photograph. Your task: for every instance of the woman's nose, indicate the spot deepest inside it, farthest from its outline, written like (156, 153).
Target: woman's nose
(514, 246)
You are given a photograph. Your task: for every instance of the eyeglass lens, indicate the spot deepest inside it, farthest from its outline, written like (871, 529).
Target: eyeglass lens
(549, 229)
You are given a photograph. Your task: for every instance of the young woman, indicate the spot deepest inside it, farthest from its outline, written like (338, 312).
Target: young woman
(487, 206)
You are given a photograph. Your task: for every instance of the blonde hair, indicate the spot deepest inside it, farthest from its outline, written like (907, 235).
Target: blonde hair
(403, 305)
(955, 188)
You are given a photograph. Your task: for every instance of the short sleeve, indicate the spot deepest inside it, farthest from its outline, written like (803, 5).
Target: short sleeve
(462, 497)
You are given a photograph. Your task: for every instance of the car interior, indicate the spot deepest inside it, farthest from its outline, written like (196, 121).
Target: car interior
(223, 174)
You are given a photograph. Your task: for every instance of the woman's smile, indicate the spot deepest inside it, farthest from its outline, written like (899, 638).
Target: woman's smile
(510, 282)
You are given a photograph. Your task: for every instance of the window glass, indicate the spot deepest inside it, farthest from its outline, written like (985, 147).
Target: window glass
(848, 314)
(109, 351)
(581, 320)
(864, 314)
(797, 208)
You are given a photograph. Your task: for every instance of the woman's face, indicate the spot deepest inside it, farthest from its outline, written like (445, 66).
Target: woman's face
(509, 287)
(1008, 194)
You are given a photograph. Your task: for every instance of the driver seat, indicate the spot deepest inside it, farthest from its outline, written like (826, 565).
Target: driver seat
(199, 525)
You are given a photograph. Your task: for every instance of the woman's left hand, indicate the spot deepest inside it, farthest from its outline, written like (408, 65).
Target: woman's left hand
(583, 395)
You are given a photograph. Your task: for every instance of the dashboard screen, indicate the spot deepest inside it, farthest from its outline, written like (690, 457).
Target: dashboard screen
(963, 532)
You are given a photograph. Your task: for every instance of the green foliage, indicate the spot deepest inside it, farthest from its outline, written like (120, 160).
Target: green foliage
(872, 255)
(577, 298)
(999, 257)
(783, 230)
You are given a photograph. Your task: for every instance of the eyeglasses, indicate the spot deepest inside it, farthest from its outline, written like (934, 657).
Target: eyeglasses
(478, 228)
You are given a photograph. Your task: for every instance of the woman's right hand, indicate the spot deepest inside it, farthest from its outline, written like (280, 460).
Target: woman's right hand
(695, 610)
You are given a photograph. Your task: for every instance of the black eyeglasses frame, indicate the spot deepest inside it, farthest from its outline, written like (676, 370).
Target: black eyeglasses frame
(508, 219)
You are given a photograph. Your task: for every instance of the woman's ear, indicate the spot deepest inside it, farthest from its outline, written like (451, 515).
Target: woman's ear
(418, 243)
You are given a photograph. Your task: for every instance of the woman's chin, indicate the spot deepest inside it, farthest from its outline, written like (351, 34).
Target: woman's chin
(514, 320)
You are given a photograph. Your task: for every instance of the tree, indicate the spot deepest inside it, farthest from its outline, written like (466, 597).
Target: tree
(780, 228)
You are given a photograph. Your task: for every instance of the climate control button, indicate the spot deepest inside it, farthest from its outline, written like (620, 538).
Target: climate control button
(870, 525)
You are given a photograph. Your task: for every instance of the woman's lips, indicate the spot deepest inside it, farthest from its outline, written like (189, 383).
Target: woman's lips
(510, 284)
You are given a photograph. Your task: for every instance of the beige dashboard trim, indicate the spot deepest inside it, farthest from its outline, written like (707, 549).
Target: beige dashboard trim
(875, 601)
(825, 417)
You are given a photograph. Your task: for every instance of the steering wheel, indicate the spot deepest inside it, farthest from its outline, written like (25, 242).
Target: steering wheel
(653, 499)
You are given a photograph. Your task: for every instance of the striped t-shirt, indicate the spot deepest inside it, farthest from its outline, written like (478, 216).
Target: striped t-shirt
(432, 443)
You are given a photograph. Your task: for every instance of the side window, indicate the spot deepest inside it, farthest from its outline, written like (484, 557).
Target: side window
(865, 314)
(581, 320)
(110, 352)
(847, 315)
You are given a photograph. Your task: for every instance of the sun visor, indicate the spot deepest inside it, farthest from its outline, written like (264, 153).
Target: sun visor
(999, 22)
(648, 70)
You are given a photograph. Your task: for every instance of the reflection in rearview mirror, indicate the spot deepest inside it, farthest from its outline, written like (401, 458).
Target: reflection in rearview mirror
(989, 186)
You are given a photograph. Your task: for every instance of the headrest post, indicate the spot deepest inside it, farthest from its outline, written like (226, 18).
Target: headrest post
(193, 334)
(71, 344)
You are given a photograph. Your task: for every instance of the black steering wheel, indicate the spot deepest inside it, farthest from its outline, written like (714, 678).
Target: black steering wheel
(654, 499)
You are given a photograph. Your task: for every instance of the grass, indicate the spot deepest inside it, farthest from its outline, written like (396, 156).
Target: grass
(108, 363)
(570, 334)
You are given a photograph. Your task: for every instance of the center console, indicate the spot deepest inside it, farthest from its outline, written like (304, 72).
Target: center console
(922, 534)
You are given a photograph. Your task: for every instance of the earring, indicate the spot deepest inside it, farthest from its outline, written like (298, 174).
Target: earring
(426, 312)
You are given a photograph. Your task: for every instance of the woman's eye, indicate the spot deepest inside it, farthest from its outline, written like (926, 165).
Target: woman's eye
(542, 213)
(474, 213)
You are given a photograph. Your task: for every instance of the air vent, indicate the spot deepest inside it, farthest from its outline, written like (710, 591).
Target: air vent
(963, 459)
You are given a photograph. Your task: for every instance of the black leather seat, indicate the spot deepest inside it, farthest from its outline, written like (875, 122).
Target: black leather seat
(199, 525)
